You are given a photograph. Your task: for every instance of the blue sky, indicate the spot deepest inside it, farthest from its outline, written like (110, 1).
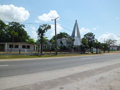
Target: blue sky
(102, 17)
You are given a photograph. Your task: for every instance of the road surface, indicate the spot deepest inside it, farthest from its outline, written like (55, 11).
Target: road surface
(20, 67)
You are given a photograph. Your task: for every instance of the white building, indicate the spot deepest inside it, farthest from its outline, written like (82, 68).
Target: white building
(16, 46)
(62, 42)
(75, 35)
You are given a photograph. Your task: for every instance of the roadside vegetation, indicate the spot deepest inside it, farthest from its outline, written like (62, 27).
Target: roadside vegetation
(15, 32)
(9, 57)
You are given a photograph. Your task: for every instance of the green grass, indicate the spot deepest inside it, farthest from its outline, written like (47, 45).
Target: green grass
(40, 56)
(112, 52)
(47, 56)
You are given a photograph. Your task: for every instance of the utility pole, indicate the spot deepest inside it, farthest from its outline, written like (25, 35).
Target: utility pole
(55, 36)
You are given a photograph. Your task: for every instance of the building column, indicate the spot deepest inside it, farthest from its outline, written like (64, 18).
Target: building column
(5, 47)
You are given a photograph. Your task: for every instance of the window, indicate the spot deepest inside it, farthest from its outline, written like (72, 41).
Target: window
(23, 46)
(16, 46)
(28, 47)
(10, 46)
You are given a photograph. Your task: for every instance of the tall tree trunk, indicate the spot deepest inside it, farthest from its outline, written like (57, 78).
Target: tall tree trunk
(96, 50)
(41, 43)
(104, 50)
(109, 48)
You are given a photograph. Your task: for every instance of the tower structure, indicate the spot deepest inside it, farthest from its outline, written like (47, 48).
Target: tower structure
(76, 35)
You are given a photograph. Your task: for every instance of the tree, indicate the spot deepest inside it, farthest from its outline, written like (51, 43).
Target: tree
(31, 40)
(109, 41)
(45, 39)
(70, 42)
(3, 32)
(41, 32)
(90, 37)
(84, 44)
(61, 35)
(19, 28)
(7, 31)
(104, 46)
(14, 34)
(97, 45)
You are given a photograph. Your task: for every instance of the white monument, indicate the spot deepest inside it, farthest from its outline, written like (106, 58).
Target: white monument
(76, 35)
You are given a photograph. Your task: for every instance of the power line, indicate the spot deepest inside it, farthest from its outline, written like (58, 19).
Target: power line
(25, 22)
(66, 28)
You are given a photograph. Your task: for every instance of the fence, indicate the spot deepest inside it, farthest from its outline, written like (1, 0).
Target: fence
(28, 51)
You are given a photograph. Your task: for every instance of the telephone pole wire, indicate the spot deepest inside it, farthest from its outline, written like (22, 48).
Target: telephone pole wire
(55, 36)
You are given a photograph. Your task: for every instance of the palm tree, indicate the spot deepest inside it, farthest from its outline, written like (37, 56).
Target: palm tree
(41, 32)
(97, 45)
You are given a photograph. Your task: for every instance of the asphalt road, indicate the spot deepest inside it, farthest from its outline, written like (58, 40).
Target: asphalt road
(12, 68)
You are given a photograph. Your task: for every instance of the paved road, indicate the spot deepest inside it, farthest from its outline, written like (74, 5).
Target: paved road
(11, 68)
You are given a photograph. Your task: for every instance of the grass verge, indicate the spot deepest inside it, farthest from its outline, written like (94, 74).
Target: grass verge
(40, 56)
(8, 57)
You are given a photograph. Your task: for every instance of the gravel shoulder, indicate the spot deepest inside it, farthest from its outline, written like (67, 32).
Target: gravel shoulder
(105, 81)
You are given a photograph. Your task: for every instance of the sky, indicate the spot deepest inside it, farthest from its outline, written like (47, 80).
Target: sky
(101, 17)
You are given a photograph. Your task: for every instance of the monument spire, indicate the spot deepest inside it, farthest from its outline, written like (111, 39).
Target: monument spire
(77, 32)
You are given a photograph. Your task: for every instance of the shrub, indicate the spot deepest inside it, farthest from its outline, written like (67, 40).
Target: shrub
(99, 51)
(91, 51)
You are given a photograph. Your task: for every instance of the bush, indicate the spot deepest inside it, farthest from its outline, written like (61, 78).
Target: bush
(46, 49)
(91, 51)
(99, 51)
(63, 48)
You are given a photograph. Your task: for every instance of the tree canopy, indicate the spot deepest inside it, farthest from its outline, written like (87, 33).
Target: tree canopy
(110, 41)
(31, 40)
(61, 35)
(97, 45)
(3, 31)
(13, 30)
(90, 37)
(41, 32)
(84, 44)
(19, 28)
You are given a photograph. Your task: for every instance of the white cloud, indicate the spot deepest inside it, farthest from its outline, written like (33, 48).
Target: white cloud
(94, 28)
(83, 30)
(47, 17)
(109, 36)
(59, 28)
(37, 21)
(13, 13)
(116, 17)
(34, 35)
(97, 26)
(33, 28)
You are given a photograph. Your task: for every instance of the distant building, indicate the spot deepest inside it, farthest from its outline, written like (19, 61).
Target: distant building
(22, 46)
(16, 46)
(62, 42)
(114, 48)
(75, 35)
